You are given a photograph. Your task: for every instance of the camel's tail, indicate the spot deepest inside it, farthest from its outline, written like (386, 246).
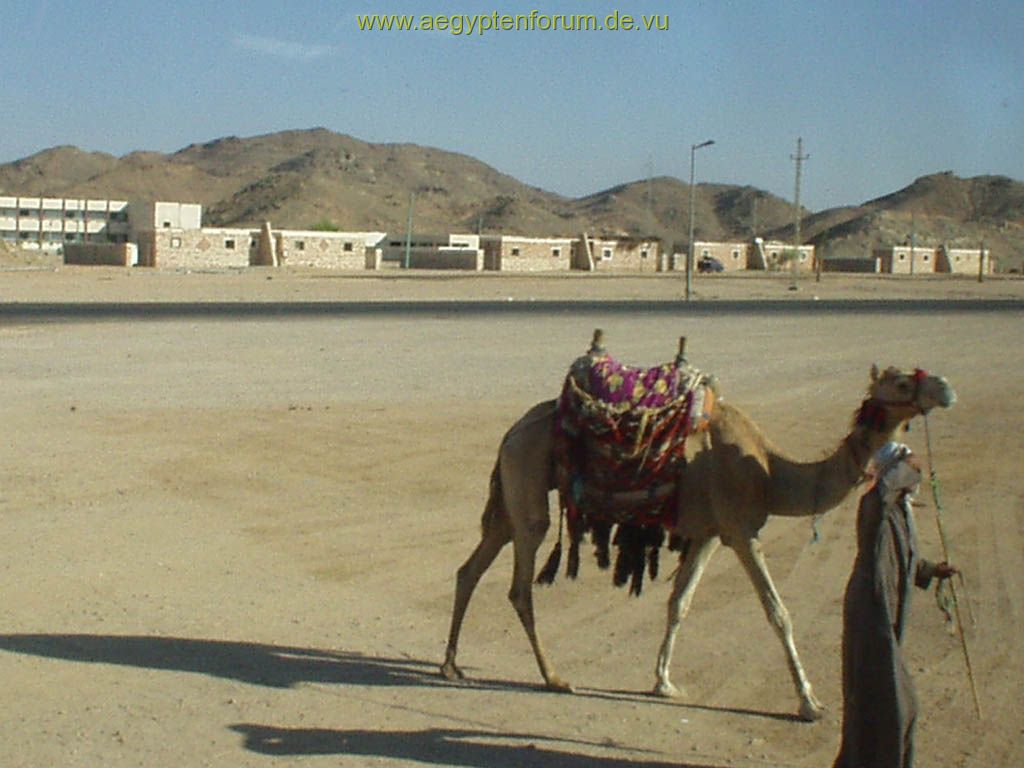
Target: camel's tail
(494, 509)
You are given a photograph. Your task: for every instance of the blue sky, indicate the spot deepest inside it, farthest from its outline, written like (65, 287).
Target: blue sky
(881, 92)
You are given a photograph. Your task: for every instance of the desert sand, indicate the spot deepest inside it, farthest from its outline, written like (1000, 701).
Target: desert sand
(232, 540)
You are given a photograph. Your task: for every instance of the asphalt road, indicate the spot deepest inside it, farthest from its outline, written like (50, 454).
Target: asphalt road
(92, 311)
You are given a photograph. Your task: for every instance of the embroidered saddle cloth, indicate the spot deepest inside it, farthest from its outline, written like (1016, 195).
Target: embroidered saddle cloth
(619, 446)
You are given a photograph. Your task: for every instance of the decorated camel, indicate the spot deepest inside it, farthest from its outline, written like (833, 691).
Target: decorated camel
(724, 493)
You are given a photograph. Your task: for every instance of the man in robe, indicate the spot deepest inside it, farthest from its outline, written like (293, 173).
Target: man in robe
(879, 704)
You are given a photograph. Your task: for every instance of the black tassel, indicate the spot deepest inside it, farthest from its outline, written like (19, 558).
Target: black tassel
(572, 568)
(656, 537)
(550, 569)
(601, 534)
(577, 527)
(629, 564)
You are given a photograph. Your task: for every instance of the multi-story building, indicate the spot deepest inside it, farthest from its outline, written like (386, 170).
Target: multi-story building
(48, 223)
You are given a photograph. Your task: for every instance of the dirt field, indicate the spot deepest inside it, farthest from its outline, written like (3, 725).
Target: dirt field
(233, 541)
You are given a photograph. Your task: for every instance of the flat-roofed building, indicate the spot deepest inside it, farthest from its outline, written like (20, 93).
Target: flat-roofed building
(47, 223)
(516, 253)
(907, 260)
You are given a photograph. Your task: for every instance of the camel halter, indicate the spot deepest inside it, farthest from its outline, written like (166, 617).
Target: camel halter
(874, 412)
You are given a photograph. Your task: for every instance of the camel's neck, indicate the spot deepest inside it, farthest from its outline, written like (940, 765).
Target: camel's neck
(810, 488)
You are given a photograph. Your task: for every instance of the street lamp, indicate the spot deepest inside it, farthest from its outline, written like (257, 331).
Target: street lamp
(689, 244)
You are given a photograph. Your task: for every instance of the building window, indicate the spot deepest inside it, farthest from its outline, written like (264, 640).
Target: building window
(229, 244)
(175, 242)
(606, 254)
(735, 255)
(515, 251)
(927, 258)
(556, 252)
(24, 212)
(300, 245)
(25, 235)
(347, 248)
(167, 225)
(643, 253)
(903, 257)
(69, 214)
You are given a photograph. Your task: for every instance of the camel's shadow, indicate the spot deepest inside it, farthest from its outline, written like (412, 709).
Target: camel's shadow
(276, 666)
(436, 746)
(282, 666)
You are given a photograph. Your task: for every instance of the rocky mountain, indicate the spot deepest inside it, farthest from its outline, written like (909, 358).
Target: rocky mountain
(298, 179)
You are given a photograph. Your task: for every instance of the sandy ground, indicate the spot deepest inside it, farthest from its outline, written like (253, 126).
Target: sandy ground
(233, 541)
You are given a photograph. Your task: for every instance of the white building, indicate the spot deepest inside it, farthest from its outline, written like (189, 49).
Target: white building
(48, 222)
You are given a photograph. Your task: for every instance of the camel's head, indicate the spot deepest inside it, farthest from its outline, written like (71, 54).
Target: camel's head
(909, 394)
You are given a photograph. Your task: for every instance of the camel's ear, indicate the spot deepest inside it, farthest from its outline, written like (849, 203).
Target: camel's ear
(874, 372)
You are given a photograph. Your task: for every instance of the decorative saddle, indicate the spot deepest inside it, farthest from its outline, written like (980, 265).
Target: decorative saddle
(619, 447)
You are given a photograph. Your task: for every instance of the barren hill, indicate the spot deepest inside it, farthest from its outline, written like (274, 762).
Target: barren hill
(936, 209)
(301, 178)
(304, 177)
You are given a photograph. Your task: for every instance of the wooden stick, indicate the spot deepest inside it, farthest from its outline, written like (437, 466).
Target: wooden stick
(945, 555)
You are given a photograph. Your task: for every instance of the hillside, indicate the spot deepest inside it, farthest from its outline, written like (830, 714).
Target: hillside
(299, 178)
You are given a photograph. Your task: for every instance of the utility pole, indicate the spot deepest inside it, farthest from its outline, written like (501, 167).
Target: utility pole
(799, 157)
(913, 241)
(408, 230)
(689, 245)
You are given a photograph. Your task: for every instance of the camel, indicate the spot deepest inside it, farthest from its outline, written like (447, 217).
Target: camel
(733, 482)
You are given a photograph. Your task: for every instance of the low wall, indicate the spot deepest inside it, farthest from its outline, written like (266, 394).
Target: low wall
(446, 258)
(101, 254)
(851, 264)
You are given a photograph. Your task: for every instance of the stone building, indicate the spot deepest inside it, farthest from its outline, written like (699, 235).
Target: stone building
(513, 253)
(618, 253)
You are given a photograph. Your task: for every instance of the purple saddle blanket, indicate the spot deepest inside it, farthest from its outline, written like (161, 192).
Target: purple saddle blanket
(627, 387)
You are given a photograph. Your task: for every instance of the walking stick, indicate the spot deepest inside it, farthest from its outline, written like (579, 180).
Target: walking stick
(934, 481)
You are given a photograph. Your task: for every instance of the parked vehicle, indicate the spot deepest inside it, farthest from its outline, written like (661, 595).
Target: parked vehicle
(709, 264)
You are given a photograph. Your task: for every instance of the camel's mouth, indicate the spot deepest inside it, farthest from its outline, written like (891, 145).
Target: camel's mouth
(947, 395)
(940, 395)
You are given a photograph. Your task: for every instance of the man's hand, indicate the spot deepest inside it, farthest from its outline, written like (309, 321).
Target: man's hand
(944, 570)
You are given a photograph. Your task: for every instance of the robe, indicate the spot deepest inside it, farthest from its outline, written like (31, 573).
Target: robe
(879, 703)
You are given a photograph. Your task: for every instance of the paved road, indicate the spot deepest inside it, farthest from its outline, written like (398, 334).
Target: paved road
(91, 311)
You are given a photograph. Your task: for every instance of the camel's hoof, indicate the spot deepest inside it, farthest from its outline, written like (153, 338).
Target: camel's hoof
(666, 690)
(451, 672)
(812, 710)
(558, 685)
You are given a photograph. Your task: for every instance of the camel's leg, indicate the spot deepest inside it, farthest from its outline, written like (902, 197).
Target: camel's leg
(752, 557)
(524, 476)
(526, 543)
(497, 533)
(695, 559)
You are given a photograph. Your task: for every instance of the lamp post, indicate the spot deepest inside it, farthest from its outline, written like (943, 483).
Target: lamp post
(689, 243)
